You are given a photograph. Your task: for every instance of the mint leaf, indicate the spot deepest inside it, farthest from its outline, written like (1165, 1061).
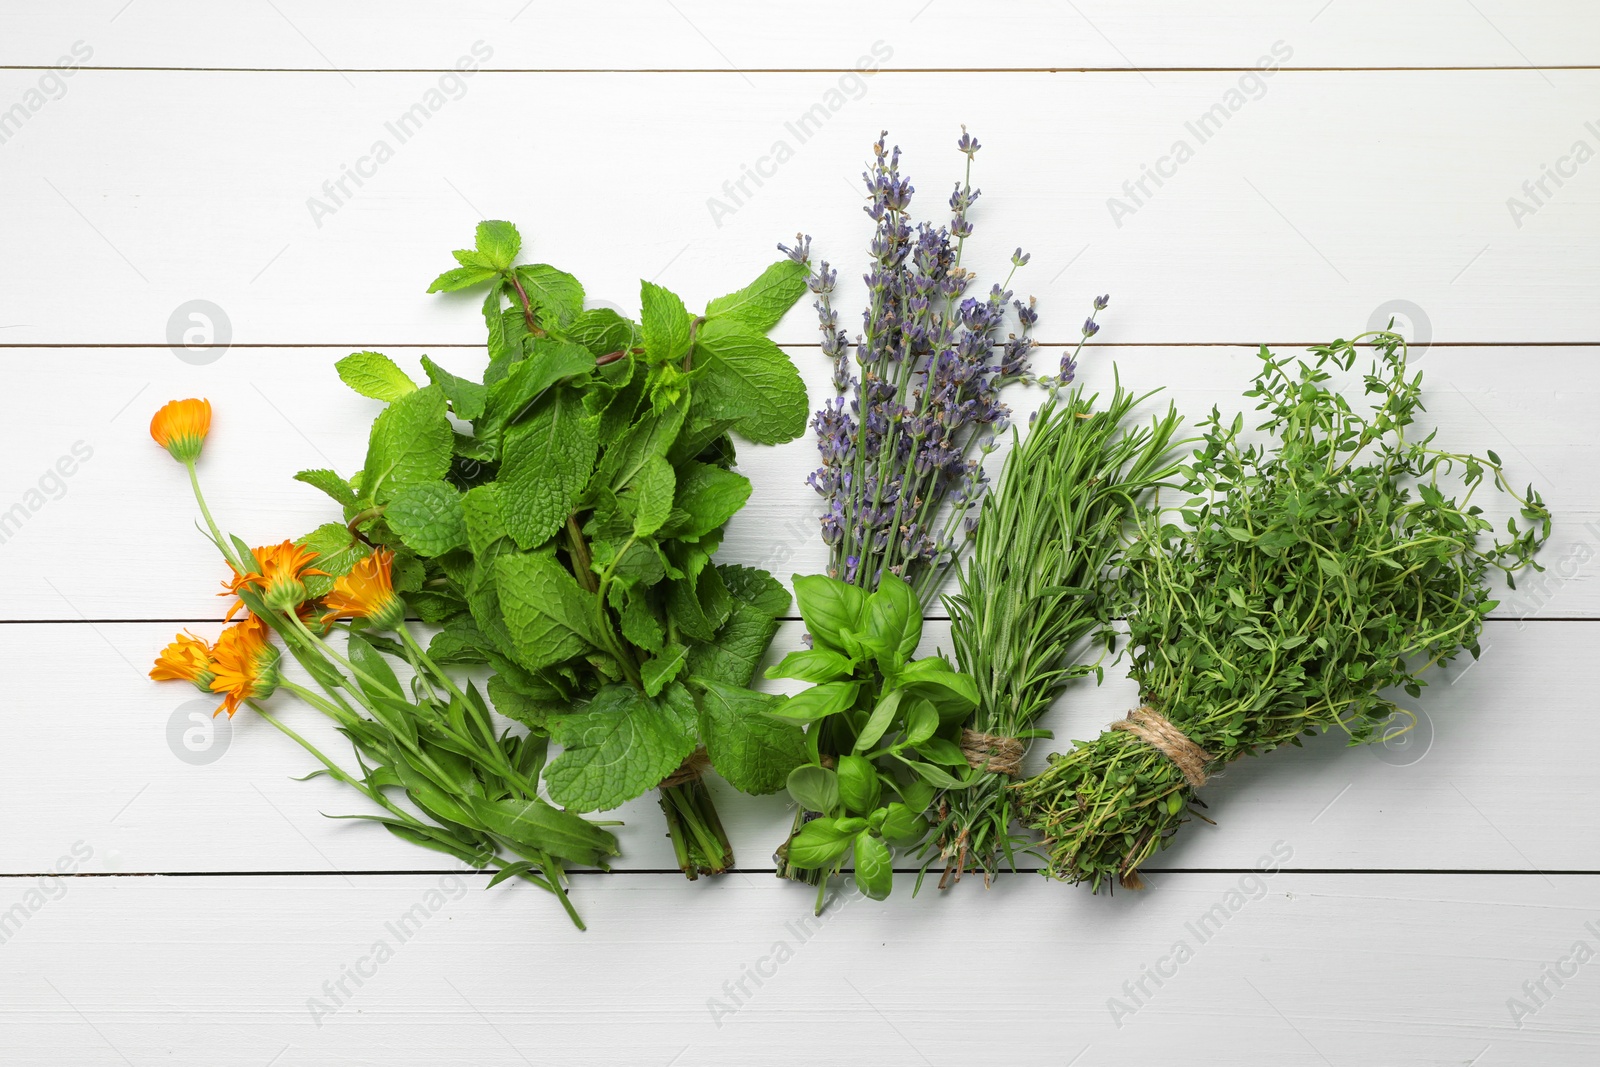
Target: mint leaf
(557, 296)
(548, 362)
(650, 436)
(756, 587)
(738, 648)
(548, 461)
(428, 517)
(763, 302)
(666, 324)
(652, 495)
(485, 522)
(461, 278)
(549, 618)
(498, 243)
(410, 443)
(337, 551)
(466, 396)
(748, 379)
(639, 623)
(662, 668)
(622, 744)
(753, 751)
(374, 375)
(531, 712)
(602, 331)
(708, 497)
(329, 482)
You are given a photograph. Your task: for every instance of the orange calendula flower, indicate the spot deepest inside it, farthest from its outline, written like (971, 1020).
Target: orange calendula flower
(367, 592)
(187, 659)
(245, 664)
(277, 577)
(181, 426)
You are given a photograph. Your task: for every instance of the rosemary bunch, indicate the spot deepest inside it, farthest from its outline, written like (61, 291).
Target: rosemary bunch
(1036, 588)
(1320, 574)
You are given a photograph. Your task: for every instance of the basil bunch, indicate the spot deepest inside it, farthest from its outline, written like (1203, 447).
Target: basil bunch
(895, 720)
(558, 519)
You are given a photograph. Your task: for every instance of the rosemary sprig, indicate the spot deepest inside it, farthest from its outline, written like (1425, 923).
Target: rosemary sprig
(1038, 586)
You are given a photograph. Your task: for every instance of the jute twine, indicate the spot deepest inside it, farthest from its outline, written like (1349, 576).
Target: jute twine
(991, 752)
(1155, 730)
(688, 770)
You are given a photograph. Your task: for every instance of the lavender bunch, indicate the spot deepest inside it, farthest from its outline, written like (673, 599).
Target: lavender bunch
(918, 404)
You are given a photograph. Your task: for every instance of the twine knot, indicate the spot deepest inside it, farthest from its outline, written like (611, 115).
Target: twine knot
(991, 752)
(1157, 731)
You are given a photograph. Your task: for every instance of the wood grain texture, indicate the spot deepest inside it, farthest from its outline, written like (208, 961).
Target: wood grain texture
(638, 34)
(116, 539)
(1305, 205)
(1286, 969)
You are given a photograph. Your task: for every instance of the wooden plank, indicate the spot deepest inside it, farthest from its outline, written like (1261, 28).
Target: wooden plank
(1289, 219)
(116, 539)
(721, 36)
(139, 770)
(1280, 968)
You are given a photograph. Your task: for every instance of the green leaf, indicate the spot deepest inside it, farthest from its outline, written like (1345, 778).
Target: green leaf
(556, 295)
(763, 302)
(814, 788)
(756, 587)
(936, 671)
(466, 397)
(859, 788)
(548, 362)
(374, 375)
(377, 678)
(548, 461)
(829, 607)
(819, 843)
(329, 482)
(662, 668)
(549, 617)
(902, 823)
(531, 712)
(639, 623)
(498, 243)
(753, 751)
(738, 649)
(666, 324)
(410, 443)
(428, 517)
(874, 866)
(538, 825)
(462, 278)
(880, 720)
(894, 620)
(652, 491)
(622, 744)
(337, 551)
(603, 331)
(748, 379)
(813, 665)
(482, 515)
(815, 703)
(921, 722)
(708, 497)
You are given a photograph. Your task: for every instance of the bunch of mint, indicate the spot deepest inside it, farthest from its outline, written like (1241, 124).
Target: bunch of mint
(558, 519)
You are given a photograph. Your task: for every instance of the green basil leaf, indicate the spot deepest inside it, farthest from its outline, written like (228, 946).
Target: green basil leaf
(859, 789)
(814, 788)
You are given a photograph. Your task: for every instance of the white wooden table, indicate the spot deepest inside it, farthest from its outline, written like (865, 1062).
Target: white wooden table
(219, 919)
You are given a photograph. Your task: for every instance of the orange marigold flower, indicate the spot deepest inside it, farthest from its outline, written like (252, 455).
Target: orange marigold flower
(277, 577)
(181, 426)
(367, 592)
(245, 664)
(187, 659)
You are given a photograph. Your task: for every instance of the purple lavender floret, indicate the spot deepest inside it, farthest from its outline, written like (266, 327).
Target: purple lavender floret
(918, 402)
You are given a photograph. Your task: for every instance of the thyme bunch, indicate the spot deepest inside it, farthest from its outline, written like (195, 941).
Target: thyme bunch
(1317, 575)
